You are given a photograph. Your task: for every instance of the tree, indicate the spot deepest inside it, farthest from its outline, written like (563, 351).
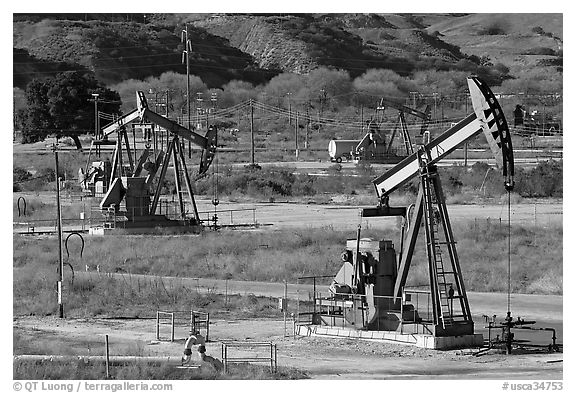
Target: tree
(61, 105)
(382, 82)
(278, 88)
(236, 92)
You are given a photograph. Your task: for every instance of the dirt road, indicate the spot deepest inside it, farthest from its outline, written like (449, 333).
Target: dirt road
(292, 215)
(322, 358)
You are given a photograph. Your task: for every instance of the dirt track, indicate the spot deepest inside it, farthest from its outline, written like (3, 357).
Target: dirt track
(291, 215)
(321, 358)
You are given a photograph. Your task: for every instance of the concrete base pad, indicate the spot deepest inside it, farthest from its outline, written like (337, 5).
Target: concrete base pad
(419, 340)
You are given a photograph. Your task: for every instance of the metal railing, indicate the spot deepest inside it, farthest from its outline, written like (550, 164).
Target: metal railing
(264, 352)
(188, 321)
(413, 308)
(200, 321)
(230, 217)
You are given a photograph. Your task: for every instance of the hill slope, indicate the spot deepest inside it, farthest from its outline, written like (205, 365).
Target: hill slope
(256, 47)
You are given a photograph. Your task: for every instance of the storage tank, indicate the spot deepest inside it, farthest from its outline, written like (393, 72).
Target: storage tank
(341, 148)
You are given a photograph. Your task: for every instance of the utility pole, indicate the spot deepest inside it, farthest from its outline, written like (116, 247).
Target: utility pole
(214, 100)
(199, 100)
(289, 109)
(361, 120)
(323, 96)
(186, 52)
(296, 135)
(413, 94)
(307, 125)
(252, 133)
(167, 99)
(96, 119)
(60, 282)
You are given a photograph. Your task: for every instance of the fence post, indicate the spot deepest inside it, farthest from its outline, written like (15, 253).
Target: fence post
(157, 325)
(107, 358)
(207, 326)
(172, 332)
(271, 360)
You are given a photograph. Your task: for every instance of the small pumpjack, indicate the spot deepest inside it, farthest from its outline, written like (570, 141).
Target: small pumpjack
(137, 193)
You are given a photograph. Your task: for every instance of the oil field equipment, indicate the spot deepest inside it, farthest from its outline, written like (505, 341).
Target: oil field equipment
(376, 146)
(131, 193)
(369, 292)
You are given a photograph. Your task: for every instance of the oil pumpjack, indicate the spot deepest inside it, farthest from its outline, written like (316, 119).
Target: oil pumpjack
(133, 198)
(369, 292)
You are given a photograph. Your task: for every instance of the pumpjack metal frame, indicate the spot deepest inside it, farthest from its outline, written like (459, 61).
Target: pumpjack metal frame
(445, 276)
(174, 152)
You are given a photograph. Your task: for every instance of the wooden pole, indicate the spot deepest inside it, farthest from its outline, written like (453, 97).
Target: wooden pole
(284, 304)
(296, 135)
(59, 221)
(252, 132)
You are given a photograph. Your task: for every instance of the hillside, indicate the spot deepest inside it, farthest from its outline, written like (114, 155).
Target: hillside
(255, 48)
(515, 40)
(117, 51)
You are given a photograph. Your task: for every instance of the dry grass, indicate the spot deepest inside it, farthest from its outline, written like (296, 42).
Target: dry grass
(76, 370)
(266, 256)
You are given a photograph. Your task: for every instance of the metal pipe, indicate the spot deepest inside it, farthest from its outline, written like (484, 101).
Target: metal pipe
(173, 360)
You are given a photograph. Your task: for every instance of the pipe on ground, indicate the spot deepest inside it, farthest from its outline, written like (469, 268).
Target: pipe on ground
(171, 360)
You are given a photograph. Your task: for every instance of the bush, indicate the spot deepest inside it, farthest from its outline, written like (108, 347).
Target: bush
(267, 182)
(543, 181)
(541, 51)
(20, 174)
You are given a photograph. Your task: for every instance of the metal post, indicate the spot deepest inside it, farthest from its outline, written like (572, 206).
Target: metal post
(207, 326)
(107, 358)
(59, 221)
(271, 358)
(172, 332)
(157, 325)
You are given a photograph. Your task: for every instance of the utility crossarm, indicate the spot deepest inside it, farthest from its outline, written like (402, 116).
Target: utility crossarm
(487, 118)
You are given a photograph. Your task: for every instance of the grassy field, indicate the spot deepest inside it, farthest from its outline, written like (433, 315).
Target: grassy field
(536, 257)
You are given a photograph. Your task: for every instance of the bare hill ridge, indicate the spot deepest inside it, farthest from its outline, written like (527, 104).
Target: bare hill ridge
(257, 47)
